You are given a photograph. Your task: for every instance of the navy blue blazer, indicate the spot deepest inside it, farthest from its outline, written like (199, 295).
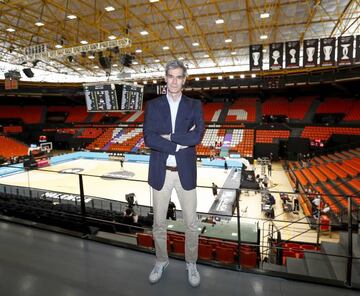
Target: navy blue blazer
(158, 122)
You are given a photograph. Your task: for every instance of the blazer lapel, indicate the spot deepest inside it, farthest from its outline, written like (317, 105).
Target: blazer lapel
(165, 111)
(182, 113)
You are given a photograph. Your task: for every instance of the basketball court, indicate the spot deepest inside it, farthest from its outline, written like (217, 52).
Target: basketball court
(62, 178)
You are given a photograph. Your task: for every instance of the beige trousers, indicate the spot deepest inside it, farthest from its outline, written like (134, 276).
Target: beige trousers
(188, 202)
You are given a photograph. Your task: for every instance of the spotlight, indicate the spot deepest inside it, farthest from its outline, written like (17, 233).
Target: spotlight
(126, 60)
(28, 72)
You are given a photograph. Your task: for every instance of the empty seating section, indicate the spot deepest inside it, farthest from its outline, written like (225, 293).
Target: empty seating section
(77, 114)
(324, 133)
(354, 112)
(245, 142)
(242, 141)
(212, 111)
(91, 133)
(13, 129)
(242, 110)
(334, 176)
(335, 105)
(208, 141)
(102, 140)
(210, 249)
(296, 250)
(267, 136)
(10, 147)
(299, 107)
(29, 114)
(125, 139)
(275, 106)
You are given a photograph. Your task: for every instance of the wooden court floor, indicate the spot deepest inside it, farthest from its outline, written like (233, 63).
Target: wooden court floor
(49, 178)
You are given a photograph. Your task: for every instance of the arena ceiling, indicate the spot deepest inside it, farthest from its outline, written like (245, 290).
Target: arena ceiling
(210, 36)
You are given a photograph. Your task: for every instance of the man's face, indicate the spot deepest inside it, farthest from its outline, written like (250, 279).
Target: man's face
(175, 80)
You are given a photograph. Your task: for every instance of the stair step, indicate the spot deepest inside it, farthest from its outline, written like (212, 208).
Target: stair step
(296, 266)
(273, 267)
(338, 263)
(318, 265)
(355, 240)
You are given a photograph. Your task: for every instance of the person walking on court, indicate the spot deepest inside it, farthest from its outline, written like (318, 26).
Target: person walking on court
(225, 165)
(215, 191)
(269, 168)
(173, 126)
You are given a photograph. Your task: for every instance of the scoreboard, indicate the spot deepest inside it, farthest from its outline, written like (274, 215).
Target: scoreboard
(113, 96)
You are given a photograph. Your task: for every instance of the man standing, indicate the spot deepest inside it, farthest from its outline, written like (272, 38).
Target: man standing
(173, 126)
(215, 191)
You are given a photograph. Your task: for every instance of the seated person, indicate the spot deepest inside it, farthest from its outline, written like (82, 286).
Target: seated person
(130, 217)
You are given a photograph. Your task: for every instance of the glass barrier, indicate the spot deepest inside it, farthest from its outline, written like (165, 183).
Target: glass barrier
(299, 236)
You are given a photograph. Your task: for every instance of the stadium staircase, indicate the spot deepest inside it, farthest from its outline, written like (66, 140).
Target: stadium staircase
(224, 112)
(311, 112)
(319, 264)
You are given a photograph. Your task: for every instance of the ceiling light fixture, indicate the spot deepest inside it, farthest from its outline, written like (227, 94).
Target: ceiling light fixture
(253, 75)
(228, 40)
(263, 37)
(39, 24)
(58, 46)
(112, 37)
(109, 8)
(219, 21)
(233, 53)
(144, 33)
(242, 76)
(166, 47)
(179, 27)
(83, 42)
(138, 50)
(71, 16)
(10, 30)
(195, 44)
(206, 55)
(264, 15)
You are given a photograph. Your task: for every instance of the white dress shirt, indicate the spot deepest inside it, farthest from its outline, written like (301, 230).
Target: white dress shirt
(174, 106)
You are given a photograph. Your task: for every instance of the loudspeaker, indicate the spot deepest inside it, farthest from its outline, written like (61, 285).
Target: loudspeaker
(126, 60)
(105, 62)
(28, 72)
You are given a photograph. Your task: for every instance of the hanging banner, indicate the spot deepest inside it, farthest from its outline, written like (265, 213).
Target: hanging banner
(276, 56)
(310, 53)
(345, 50)
(357, 51)
(327, 51)
(292, 54)
(256, 57)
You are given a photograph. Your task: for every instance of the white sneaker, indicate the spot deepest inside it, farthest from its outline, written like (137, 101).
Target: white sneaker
(157, 271)
(193, 274)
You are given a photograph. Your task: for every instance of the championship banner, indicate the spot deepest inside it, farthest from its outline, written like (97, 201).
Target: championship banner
(276, 56)
(345, 50)
(310, 53)
(357, 51)
(256, 57)
(327, 51)
(292, 54)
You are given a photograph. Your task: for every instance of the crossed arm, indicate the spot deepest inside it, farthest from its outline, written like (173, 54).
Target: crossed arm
(171, 143)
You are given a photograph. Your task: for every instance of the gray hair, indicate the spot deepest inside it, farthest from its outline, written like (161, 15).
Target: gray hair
(175, 64)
